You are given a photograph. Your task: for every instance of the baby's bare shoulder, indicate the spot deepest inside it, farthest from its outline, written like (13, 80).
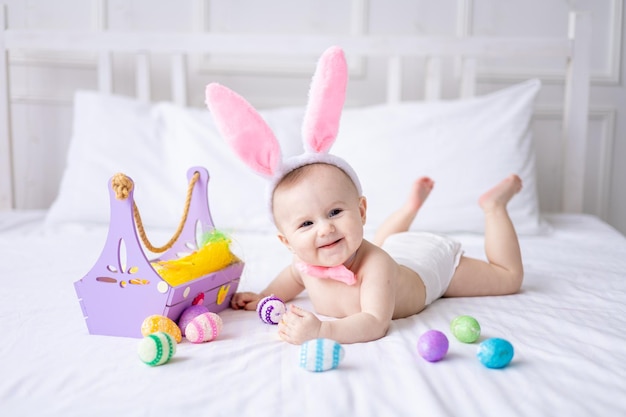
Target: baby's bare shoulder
(374, 253)
(376, 262)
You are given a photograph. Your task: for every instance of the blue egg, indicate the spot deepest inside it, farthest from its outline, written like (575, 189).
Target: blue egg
(495, 353)
(319, 355)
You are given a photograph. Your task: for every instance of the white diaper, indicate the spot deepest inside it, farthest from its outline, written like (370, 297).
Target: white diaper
(433, 257)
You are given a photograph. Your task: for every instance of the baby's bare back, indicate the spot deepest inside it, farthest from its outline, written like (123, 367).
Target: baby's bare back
(410, 294)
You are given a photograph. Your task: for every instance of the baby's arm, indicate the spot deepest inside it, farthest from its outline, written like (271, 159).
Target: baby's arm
(377, 306)
(286, 286)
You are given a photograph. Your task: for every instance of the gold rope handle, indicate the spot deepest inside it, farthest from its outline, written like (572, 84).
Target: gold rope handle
(122, 186)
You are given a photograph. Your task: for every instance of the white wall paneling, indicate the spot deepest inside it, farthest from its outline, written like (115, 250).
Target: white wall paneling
(42, 82)
(547, 124)
(6, 163)
(600, 149)
(576, 115)
(608, 23)
(349, 18)
(142, 77)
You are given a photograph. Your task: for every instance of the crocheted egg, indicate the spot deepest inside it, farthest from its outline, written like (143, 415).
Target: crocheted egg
(270, 309)
(158, 323)
(320, 355)
(495, 353)
(432, 345)
(203, 328)
(156, 349)
(465, 328)
(189, 314)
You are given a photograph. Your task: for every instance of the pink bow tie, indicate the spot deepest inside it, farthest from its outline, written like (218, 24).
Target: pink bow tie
(338, 273)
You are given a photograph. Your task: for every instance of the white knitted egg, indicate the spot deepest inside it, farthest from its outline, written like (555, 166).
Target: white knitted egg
(271, 309)
(203, 328)
(156, 348)
(320, 355)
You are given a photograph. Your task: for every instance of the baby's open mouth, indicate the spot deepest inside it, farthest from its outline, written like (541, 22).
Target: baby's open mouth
(331, 244)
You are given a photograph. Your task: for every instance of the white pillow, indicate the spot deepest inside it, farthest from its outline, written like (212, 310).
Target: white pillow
(465, 146)
(237, 195)
(115, 134)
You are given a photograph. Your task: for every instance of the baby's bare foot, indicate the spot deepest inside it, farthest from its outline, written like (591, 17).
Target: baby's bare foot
(501, 194)
(419, 193)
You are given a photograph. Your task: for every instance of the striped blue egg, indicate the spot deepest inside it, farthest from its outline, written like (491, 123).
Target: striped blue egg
(320, 355)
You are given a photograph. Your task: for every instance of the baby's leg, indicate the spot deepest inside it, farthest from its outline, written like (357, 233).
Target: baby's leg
(401, 219)
(503, 273)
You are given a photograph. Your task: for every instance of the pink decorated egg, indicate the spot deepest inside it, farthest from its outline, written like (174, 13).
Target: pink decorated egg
(203, 328)
(189, 314)
(158, 323)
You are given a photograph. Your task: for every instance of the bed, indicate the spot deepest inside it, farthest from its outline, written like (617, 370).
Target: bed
(566, 325)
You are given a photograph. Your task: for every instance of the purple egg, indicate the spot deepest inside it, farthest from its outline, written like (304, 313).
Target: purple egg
(271, 309)
(432, 345)
(189, 314)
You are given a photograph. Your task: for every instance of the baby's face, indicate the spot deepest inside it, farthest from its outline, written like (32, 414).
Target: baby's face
(320, 216)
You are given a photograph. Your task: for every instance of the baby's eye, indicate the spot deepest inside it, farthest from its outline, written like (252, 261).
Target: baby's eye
(335, 212)
(306, 223)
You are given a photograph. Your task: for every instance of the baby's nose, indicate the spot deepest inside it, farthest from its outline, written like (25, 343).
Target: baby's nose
(326, 227)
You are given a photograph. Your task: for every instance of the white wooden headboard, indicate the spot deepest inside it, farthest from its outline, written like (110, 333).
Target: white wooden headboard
(572, 49)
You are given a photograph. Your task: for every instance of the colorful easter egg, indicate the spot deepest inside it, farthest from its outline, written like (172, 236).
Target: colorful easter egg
(204, 328)
(271, 309)
(465, 328)
(495, 353)
(158, 323)
(432, 345)
(320, 355)
(189, 314)
(157, 348)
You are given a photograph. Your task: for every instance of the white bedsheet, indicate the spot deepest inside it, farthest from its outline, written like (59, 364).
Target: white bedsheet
(567, 326)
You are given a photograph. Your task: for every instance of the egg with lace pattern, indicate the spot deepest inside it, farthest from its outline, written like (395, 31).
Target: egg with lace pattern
(319, 355)
(189, 314)
(270, 309)
(204, 328)
(156, 348)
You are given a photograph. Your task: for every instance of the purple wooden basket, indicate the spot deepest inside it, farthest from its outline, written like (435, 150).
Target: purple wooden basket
(123, 288)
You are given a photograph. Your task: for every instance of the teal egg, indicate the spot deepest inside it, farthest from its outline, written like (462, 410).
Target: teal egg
(495, 353)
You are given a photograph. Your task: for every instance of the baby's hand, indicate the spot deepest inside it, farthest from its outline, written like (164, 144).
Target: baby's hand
(245, 301)
(298, 325)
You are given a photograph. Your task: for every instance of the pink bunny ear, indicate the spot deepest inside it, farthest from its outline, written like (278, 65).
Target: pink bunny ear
(244, 129)
(326, 98)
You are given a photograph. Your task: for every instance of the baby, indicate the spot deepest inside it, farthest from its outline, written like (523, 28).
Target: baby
(317, 204)
(320, 215)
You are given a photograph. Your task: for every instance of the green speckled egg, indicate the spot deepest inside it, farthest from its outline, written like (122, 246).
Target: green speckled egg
(465, 328)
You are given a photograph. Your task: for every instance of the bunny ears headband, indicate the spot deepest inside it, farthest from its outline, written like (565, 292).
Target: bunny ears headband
(255, 143)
